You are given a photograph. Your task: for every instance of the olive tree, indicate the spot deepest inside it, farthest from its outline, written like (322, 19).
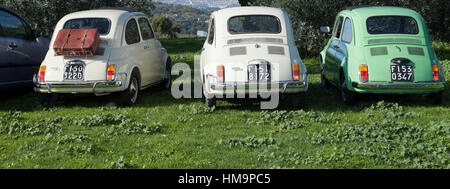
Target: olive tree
(44, 14)
(308, 15)
(165, 27)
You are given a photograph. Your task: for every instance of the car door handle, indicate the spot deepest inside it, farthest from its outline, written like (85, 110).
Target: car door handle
(203, 49)
(146, 47)
(13, 46)
(336, 47)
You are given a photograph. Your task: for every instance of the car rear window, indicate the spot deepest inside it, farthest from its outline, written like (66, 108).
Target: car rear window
(254, 24)
(392, 25)
(102, 24)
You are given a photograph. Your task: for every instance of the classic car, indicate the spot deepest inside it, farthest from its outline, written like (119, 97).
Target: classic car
(383, 50)
(248, 49)
(129, 58)
(22, 50)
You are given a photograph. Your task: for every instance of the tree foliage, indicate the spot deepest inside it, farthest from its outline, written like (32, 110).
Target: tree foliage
(45, 14)
(189, 19)
(165, 27)
(308, 15)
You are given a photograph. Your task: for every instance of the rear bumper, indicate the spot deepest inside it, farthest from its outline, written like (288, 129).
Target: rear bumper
(400, 86)
(96, 87)
(248, 88)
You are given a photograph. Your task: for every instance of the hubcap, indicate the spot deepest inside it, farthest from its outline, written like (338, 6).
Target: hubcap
(134, 90)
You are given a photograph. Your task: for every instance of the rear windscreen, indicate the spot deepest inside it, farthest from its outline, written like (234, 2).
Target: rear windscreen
(102, 24)
(392, 25)
(254, 24)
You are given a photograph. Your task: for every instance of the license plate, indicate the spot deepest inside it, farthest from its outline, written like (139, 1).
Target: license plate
(74, 72)
(258, 73)
(402, 73)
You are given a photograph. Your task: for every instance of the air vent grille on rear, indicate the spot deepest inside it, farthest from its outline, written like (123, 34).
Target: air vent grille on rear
(395, 40)
(234, 51)
(377, 51)
(416, 51)
(276, 50)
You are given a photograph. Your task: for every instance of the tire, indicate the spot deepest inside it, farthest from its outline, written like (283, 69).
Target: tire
(325, 83)
(210, 102)
(131, 94)
(435, 98)
(298, 100)
(48, 100)
(348, 97)
(167, 84)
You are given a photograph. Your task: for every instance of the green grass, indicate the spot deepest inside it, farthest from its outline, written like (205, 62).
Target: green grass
(382, 131)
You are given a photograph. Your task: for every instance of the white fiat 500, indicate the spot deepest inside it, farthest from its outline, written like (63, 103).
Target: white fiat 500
(250, 48)
(129, 58)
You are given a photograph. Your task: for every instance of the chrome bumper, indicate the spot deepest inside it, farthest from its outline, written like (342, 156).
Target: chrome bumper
(96, 87)
(400, 86)
(282, 87)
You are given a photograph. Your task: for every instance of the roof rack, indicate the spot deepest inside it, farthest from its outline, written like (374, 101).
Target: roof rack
(128, 9)
(360, 6)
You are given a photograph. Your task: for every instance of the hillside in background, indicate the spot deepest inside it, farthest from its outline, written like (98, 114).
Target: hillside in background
(204, 4)
(187, 18)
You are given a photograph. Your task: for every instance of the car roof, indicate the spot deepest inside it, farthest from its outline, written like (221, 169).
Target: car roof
(104, 13)
(6, 9)
(368, 11)
(250, 10)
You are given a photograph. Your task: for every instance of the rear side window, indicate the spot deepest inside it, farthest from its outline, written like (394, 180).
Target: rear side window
(211, 32)
(146, 29)
(347, 33)
(132, 32)
(254, 24)
(101, 24)
(338, 27)
(392, 25)
(13, 26)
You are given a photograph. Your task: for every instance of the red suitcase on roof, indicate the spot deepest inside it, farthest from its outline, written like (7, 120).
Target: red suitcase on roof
(77, 42)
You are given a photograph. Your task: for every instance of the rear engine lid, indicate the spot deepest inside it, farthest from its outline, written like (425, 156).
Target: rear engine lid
(381, 57)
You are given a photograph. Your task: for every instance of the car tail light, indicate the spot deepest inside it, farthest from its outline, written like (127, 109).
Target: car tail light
(363, 72)
(295, 72)
(111, 73)
(42, 73)
(435, 72)
(220, 74)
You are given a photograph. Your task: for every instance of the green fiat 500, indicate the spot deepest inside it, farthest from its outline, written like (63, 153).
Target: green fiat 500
(384, 50)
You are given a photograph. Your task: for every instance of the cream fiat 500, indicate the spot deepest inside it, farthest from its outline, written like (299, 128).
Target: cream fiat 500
(250, 48)
(129, 58)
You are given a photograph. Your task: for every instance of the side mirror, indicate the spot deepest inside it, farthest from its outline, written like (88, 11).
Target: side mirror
(325, 29)
(35, 34)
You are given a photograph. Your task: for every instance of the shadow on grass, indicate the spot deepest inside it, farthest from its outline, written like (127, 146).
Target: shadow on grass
(318, 99)
(182, 45)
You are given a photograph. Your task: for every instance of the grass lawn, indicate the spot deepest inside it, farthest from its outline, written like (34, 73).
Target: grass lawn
(382, 131)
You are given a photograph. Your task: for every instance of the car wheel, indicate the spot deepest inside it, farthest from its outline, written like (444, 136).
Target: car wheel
(298, 100)
(347, 96)
(325, 83)
(48, 100)
(168, 71)
(435, 98)
(131, 94)
(210, 100)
